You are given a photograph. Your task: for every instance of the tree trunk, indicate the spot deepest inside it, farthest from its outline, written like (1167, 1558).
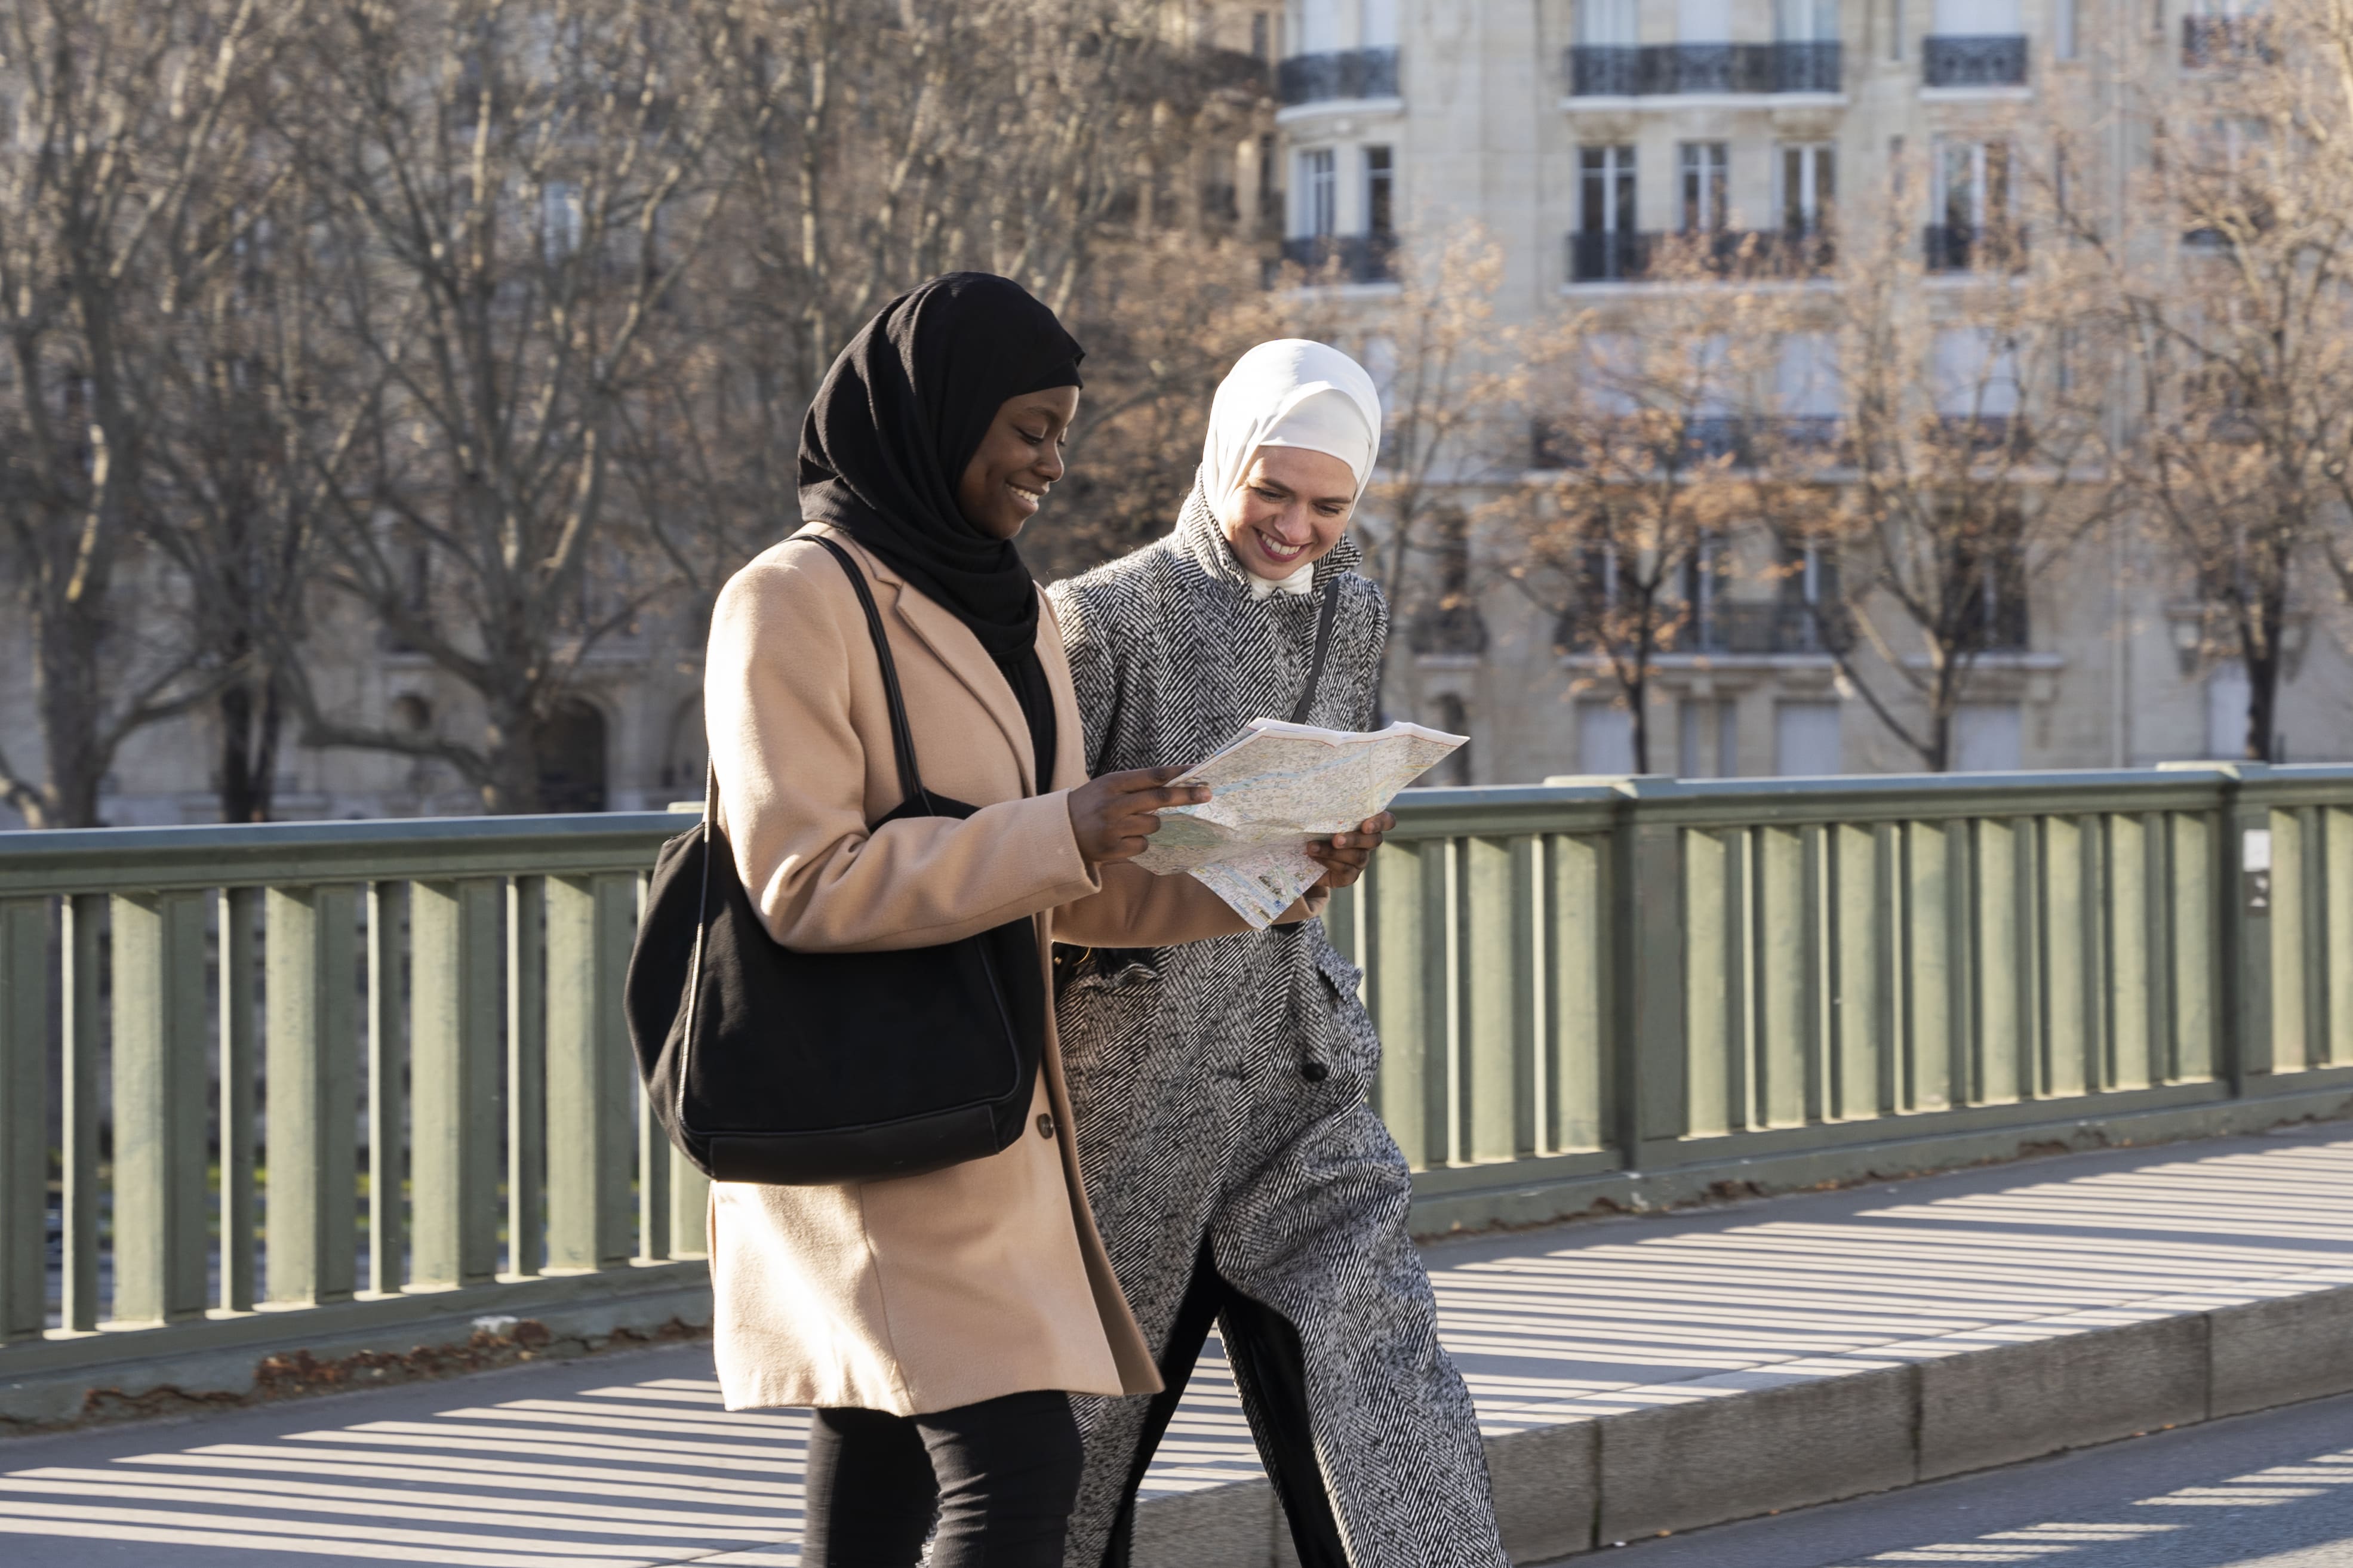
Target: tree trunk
(510, 788)
(1638, 699)
(65, 678)
(251, 719)
(2262, 705)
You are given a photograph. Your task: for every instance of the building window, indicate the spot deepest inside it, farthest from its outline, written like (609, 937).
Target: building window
(1608, 23)
(1805, 21)
(1710, 733)
(1605, 246)
(1261, 40)
(1319, 193)
(1378, 25)
(1605, 737)
(1987, 738)
(1809, 185)
(1806, 739)
(1381, 192)
(1704, 184)
(2063, 41)
(1971, 200)
(1703, 21)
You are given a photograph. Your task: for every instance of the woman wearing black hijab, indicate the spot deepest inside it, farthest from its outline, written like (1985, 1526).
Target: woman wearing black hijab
(937, 1323)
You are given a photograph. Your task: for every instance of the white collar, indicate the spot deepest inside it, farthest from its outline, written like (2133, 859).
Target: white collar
(1302, 583)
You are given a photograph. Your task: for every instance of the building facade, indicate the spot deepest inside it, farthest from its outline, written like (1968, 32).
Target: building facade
(1577, 136)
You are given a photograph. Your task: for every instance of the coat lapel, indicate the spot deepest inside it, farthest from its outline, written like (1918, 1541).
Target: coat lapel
(958, 649)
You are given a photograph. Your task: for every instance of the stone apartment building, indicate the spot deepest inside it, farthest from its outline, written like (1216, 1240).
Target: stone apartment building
(1573, 132)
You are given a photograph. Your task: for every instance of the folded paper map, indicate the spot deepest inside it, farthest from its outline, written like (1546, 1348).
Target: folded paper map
(1275, 786)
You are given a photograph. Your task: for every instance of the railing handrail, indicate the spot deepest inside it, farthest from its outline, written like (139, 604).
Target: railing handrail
(238, 854)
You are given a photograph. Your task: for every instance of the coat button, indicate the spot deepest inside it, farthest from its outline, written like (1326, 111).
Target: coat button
(1045, 1124)
(1314, 1072)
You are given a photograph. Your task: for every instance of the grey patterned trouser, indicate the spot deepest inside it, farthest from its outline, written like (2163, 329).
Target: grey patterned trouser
(1300, 1196)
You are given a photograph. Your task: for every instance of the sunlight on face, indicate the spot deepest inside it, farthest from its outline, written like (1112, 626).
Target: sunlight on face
(1290, 509)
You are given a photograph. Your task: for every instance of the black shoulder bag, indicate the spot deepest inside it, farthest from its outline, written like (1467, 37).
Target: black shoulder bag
(801, 1069)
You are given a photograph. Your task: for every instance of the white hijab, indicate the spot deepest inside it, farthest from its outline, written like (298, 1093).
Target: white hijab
(1291, 392)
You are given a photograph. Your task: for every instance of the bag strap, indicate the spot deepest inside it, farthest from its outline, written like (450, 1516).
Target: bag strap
(1322, 646)
(903, 735)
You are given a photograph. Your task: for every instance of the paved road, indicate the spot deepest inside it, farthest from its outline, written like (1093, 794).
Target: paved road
(2269, 1490)
(627, 1462)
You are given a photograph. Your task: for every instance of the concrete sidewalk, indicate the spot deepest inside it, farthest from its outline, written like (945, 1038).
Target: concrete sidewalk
(1634, 1376)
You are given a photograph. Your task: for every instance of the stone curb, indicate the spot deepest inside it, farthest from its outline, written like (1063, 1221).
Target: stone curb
(1751, 1443)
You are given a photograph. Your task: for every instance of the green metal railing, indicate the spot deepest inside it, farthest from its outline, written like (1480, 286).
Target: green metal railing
(258, 1083)
(1608, 978)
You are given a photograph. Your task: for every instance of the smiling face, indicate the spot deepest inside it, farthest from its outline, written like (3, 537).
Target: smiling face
(1290, 509)
(1017, 461)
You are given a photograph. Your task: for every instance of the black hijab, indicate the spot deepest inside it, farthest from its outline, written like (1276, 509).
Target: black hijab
(899, 416)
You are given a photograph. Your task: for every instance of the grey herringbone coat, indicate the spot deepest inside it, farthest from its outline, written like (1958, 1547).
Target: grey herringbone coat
(1195, 1122)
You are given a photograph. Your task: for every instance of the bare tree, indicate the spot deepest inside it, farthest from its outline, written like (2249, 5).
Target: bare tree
(134, 138)
(2233, 310)
(1643, 423)
(1962, 462)
(506, 194)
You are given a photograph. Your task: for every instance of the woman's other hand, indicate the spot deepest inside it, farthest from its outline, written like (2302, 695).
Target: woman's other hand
(1345, 855)
(1115, 816)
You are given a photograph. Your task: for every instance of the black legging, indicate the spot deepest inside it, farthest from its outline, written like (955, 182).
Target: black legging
(1000, 1476)
(1269, 1368)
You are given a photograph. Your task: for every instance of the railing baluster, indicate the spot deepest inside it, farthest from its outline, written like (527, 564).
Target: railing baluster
(2311, 966)
(237, 987)
(24, 1118)
(2000, 979)
(1928, 956)
(527, 1073)
(387, 1113)
(2336, 932)
(2195, 951)
(1711, 1001)
(1856, 1000)
(160, 1218)
(2068, 963)
(1779, 986)
(454, 1015)
(83, 939)
(1577, 900)
(588, 1073)
(690, 1209)
(312, 1093)
(1399, 971)
(2129, 1061)
(1495, 949)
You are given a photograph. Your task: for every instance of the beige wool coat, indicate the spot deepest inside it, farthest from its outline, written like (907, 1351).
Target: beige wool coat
(921, 1293)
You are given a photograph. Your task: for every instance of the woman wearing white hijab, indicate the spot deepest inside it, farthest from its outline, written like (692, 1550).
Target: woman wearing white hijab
(1236, 1170)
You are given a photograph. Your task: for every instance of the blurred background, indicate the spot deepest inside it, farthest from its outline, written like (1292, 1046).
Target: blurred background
(1774, 386)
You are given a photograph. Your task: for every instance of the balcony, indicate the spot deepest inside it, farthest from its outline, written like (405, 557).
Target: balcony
(1958, 247)
(1769, 626)
(2211, 41)
(1993, 60)
(1749, 255)
(1344, 257)
(1657, 70)
(1747, 440)
(1338, 75)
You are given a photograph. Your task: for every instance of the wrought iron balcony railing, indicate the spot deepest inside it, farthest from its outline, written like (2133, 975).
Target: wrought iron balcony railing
(1746, 254)
(1959, 247)
(1345, 258)
(1749, 440)
(1628, 70)
(1992, 61)
(1338, 74)
(2209, 41)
